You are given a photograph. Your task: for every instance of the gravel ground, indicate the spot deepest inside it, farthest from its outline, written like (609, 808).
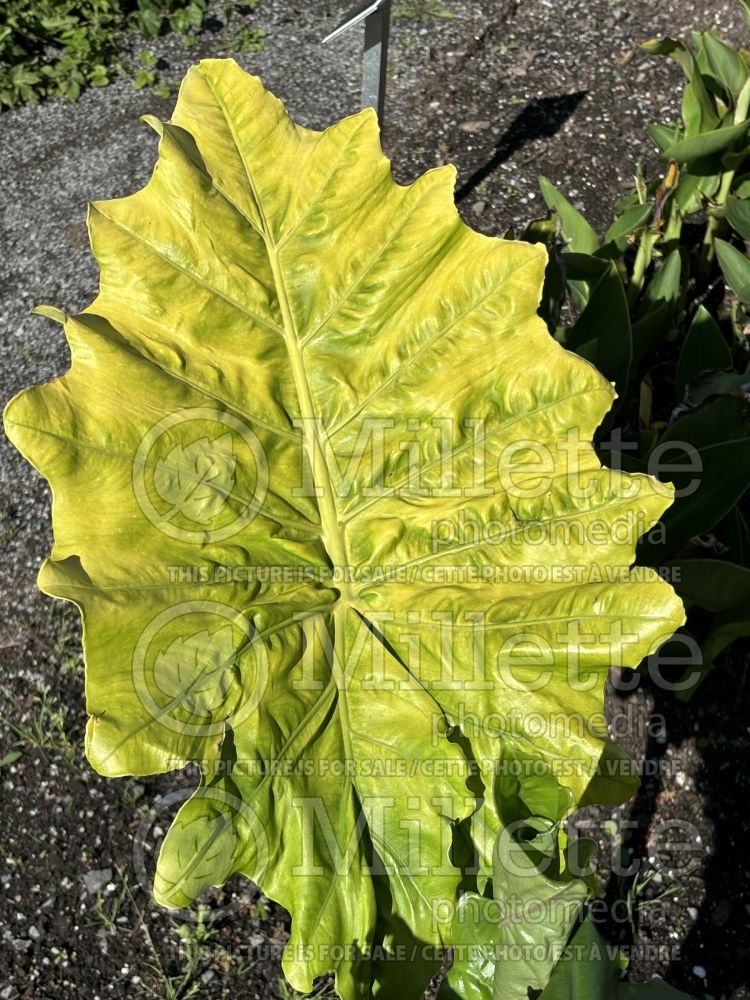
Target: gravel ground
(506, 91)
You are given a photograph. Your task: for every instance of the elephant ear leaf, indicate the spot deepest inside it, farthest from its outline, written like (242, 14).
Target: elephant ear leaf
(325, 495)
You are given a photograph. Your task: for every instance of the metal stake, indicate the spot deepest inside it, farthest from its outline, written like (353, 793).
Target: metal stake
(377, 17)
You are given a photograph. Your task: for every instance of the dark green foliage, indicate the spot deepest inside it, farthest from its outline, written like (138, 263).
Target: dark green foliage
(58, 47)
(661, 305)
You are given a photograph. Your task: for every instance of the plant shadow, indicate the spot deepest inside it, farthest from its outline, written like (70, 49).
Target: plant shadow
(539, 119)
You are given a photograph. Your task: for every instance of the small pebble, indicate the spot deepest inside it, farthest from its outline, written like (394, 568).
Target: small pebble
(96, 879)
(475, 126)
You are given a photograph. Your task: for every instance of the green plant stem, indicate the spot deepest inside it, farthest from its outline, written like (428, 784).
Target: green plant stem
(716, 220)
(643, 259)
(673, 228)
(715, 224)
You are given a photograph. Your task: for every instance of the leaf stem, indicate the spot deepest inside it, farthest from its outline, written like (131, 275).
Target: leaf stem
(715, 223)
(642, 261)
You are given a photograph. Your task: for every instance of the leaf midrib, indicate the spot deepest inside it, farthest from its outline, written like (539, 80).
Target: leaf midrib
(330, 526)
(331, 533)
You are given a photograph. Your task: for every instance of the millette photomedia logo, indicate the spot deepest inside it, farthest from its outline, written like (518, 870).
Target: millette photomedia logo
(197, 665)
(200, 475)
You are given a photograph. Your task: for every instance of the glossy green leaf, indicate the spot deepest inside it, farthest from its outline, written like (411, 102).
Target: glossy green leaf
(664, 136)
(735, 267)
(699, 147)
(738, 216)
(615, 780)
(725, 63)
(698, 108)
(475, 935)
(709, 483)
(381, 547)
(534, 872)
(575, 229)
(602, 333)
(704, 347)
(591, 969)
(629, 222)
(720, 587)
(666, 283)
(720, 420)
(728, 627)
(500, 955)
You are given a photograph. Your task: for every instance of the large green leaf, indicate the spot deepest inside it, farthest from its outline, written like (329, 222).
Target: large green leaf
(738, 216)
(324, 492)
(710, 480)
(602, 333)
(653, 328)
(497, 952)
(591, 969)
(533, 871)
(726, 63)
(698, 108)
(575, 229)
(735, 267)
(698, 147)
(720, 587)
(475, 935)
(737, 538)
(665, 285)
(719, 420)
(663, 135)
(704, 348)
(631, 220)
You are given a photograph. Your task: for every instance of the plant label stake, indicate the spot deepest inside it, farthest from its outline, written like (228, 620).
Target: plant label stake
(377, 17)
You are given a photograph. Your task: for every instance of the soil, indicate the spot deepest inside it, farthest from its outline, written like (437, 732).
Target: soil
(506, 91)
